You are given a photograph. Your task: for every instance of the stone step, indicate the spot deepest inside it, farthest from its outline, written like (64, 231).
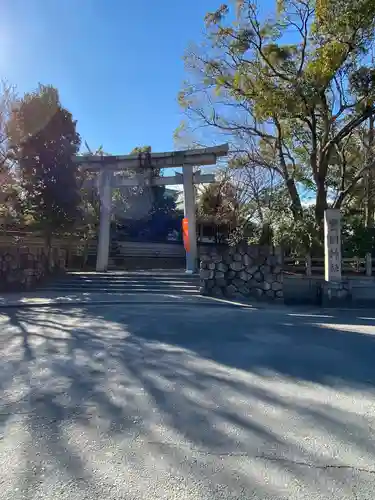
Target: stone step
(148, 290)
(135, 287)
(129, 278)
(129, 274)
(158, 282)
(120, 283)
(125, 281)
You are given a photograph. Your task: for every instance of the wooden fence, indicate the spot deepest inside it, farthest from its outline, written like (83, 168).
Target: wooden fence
(36, 241)
(313, 266)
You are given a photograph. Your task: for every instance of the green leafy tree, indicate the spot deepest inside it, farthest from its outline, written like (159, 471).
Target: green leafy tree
(8, 182)
(287, 106)
(220, 203)
(90, 199)
(221, 206)
(297, 237)
(43, 138)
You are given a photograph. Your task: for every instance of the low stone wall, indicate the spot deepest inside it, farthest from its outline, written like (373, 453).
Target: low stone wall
(21, 268)
(302, 290)
(242, 271)
(336, 293)
(350, 292)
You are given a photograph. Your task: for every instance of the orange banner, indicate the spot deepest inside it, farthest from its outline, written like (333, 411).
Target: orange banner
(185, 234)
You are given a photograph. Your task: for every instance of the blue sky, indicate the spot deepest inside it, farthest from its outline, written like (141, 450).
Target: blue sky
(117, 63)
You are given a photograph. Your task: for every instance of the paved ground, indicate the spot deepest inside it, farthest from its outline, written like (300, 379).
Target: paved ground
(156, 402)
(38, 298)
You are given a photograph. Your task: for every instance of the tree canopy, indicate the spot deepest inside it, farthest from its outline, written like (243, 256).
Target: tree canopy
(43, 139)
(291, 90)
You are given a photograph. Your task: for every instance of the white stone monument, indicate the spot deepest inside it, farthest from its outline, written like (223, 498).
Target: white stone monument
(332, 245)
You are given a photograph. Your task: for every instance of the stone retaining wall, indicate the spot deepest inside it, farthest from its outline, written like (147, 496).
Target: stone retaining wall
(242, 271)
(21, 268)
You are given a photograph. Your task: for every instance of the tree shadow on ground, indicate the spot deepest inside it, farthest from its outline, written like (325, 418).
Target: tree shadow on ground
(215, 381)
(327, 349)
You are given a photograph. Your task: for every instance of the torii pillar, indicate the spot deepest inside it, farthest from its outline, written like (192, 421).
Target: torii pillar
(104, 240)
(190, 215)
(107, 165)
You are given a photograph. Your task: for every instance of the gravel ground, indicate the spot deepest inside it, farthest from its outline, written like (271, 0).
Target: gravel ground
(164, 402)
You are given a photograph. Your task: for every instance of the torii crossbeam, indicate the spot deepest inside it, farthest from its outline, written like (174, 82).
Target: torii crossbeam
(142, 164)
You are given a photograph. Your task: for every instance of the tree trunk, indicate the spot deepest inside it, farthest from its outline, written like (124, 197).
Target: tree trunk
(370, 188)
(296, 206)
(49, 249)
(85, 255)
(321, 201)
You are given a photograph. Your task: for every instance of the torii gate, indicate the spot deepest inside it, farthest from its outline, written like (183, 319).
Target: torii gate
(107, 165)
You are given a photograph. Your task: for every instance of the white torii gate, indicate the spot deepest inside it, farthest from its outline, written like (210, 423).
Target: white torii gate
(143, 162)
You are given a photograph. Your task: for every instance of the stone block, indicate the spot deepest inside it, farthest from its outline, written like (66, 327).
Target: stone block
(269, 278)
(236, 266)
(222, 267)
(258, 276)
(278, 256)
(206, 274)
(252, 283)
(265, 269)
(243, 275)
(217, 292)
(260, 260)
(211, 265)
(276, 286)
(252, 251)
(210, 284)
(246, 259)
(242, 248)
(221, 282)
(231, 274)
(238, 283)
(230, 290)
(227, 259)
(219, 275)
(266, 286)
(237, 257)
(252, 270)
(265, 250)
(271, 260)
(205, 258)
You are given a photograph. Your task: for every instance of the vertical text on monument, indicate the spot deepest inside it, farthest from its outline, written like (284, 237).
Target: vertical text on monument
(332, 245)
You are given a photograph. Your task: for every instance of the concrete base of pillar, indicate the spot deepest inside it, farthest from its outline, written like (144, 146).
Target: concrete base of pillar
(336, 293)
